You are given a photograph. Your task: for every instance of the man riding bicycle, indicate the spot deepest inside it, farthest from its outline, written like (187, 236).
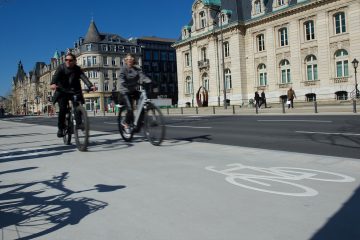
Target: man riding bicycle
(67, 78)
(130, 77)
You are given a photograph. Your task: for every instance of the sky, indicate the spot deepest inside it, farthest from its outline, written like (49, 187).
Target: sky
(32, 30)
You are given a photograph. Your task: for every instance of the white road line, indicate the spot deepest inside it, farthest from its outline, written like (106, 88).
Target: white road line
(327, 133)
(186, 127)
(111, 123)
(319, 121)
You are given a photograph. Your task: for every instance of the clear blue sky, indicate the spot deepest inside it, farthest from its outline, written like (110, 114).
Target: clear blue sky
(32, 30)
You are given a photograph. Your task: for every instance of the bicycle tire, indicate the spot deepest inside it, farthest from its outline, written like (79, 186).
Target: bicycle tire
(154, 126)
(68, 127)
(81, 128)
(126, 136)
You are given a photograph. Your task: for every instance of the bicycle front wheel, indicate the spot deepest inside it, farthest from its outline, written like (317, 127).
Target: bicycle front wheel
(81, 128)
(154, 125)
(67, 129)
(126, 134)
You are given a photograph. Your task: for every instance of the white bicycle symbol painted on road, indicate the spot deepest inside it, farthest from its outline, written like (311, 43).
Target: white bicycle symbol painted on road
(277, 180)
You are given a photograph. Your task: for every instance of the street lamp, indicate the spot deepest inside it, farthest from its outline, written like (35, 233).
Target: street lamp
(355, 63)
(219, 15)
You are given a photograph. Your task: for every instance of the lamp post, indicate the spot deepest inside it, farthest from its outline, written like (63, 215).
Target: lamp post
(355, 63)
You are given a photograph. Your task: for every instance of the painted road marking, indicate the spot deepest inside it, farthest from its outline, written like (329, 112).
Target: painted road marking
(327, 133)
(187, 127)
(277, 180)
(296, 120)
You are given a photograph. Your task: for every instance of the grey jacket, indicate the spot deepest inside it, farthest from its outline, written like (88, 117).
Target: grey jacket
(130, 78)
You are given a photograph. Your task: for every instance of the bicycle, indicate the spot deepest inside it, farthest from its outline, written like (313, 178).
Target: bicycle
(76, 121)
(147, 116)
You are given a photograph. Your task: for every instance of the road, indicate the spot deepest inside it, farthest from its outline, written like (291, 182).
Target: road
(337, 135)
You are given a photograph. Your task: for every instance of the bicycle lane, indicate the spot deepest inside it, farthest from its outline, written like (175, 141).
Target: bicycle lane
(186, 190)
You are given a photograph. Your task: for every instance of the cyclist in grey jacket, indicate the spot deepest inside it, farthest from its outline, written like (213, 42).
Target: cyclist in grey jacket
(130, 77)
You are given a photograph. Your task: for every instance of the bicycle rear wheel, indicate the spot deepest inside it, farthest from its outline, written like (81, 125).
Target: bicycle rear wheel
(81, 128)
(154, 126)
(67, 129)
(126, 134)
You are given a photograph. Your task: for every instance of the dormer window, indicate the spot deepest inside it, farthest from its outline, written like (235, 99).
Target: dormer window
(258, 8)
(280, 4)
(202, 18)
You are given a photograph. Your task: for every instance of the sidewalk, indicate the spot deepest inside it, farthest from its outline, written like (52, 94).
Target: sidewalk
(181, 190)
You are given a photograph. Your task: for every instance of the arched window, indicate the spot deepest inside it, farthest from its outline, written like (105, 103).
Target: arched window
(202, 19)
(342, 63)
(340, 22)
(226, 49)
(341, 95)
(311, 68)
(309, 28)
(262, 75)
(258, 8)
(310, 97)
(285, 71)
(228, 83)
(205, 81)
(188, 85)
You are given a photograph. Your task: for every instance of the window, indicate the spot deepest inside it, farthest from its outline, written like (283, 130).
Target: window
(283, 36)
(340, 23)
(205, 81)
(187, 60)
(226, 49)
(114, 74)
(106, 86)
(133, 49)
(106, 75)
(171, 57)
(280, 2)
(156, 56)
(262, 75)
(104, 48)
(164, 56)
(94, 60)
(121, 48)
(342, 63)
(188, 85)
(258, 9)
(88, 61)
(260, 42)
(88, 47)
(202, 19)
(309, 30)
(341, 95)
(84, 61)
(311, 68)
(113, 61)
(147, 55)
(105, 60)
(228, 83)
(115, 85)
(95, 74)
(285, 71)
(203, 54)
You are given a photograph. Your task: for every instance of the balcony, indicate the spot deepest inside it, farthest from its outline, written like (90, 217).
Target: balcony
(340, 79)
(203, 63)
(285, 85)
(311, 82)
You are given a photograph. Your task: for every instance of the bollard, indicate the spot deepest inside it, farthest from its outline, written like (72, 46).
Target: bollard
(256, 109)
(283, 107)
(233, 109)
(315, 106)
(197, 110)
(104, 113)
(167, 109)
(182, 111)
(94, 114)
(213, 109)
(354, 106)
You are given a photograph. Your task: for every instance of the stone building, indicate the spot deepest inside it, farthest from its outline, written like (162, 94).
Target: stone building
(271, 45)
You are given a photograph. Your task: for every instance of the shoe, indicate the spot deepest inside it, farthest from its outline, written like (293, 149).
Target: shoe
(60, 133)
(126, 127)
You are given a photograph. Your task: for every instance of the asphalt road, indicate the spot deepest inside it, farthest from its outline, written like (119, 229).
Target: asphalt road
(337, 135)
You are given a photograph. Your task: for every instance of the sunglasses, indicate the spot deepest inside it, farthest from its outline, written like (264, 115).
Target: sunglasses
(69, 60)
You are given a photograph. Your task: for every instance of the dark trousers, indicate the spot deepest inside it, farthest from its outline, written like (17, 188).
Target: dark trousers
(291, 103)
(63, 108)
(129, 100)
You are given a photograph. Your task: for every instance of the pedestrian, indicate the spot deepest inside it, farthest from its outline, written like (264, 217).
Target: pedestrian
(257, 99)
(290, 97)
(2, 111)
(263, 99)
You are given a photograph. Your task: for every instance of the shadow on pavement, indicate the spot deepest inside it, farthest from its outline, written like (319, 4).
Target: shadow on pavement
(24, 135)
(345, 223)
(187, 140)
(30, 210)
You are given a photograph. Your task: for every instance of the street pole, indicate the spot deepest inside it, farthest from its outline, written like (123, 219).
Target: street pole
(355, 63)
(223, 60)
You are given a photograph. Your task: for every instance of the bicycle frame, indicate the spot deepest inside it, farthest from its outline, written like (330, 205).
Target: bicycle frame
(140, 106)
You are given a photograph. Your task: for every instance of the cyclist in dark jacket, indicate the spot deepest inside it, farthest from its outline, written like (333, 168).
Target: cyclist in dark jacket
(130, 77)
(67, 77)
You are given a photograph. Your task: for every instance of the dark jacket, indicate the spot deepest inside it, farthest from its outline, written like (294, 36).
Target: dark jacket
(68, 79)
(130, 78)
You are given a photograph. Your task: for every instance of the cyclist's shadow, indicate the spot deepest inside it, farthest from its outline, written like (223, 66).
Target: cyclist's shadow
(31, 211)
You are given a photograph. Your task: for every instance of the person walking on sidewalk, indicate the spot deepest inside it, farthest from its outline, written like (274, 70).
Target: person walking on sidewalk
(290, 97)
(263, 99)
(257, 99)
